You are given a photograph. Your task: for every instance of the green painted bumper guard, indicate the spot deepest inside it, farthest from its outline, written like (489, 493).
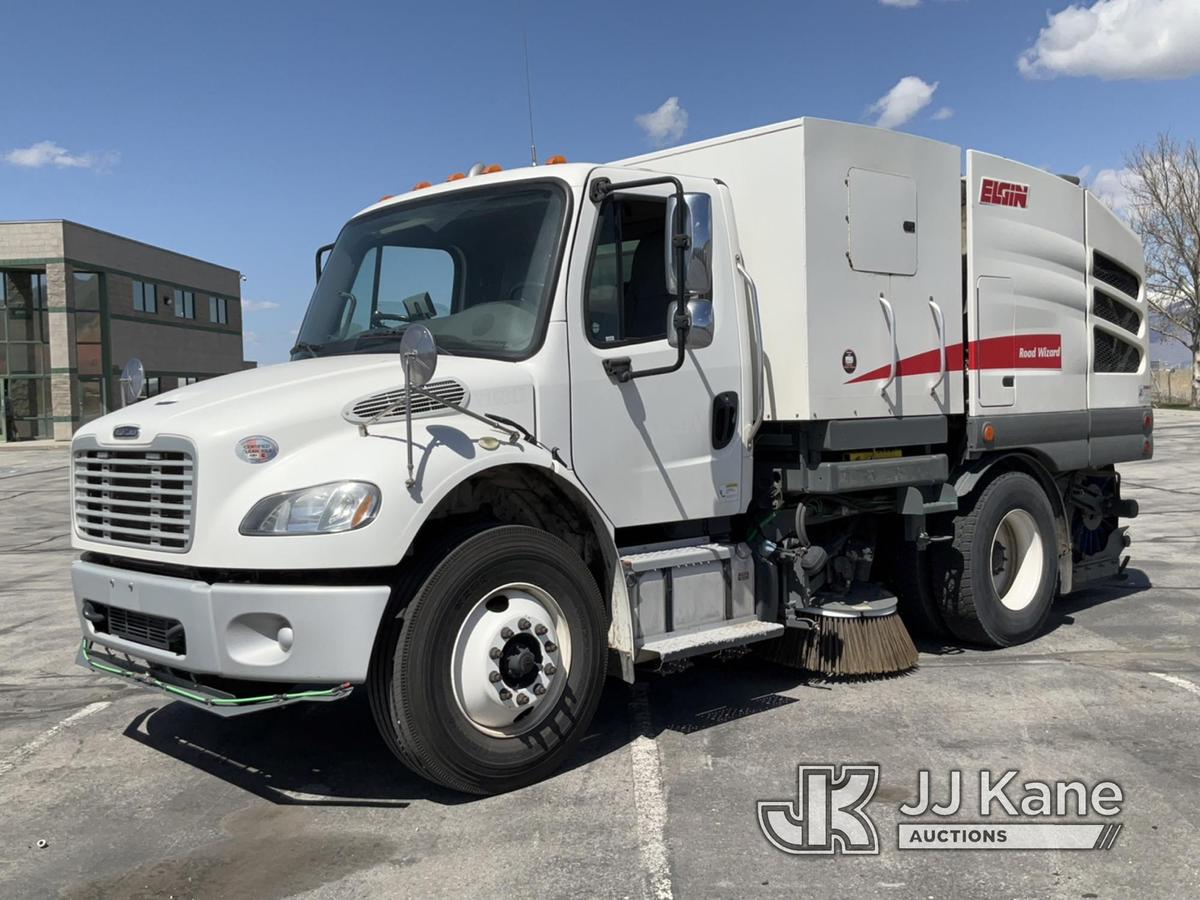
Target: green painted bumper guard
(223, 705)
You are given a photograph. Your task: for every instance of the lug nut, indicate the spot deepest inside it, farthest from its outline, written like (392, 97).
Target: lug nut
(506, 633)
(540, 630)
(523, 624)
(551, 647)
(494, 677)
(539, 689)
(505, 694)
(549, 669)
(522, 699)
(495, 653)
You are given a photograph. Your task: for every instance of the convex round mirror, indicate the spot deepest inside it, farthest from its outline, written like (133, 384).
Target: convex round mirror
(418, 352)
(133, 379)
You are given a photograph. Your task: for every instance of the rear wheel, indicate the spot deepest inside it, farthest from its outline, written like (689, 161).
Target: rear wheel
(995, 583)
(487, 680)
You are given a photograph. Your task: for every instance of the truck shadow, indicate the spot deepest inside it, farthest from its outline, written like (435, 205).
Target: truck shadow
(1062, 612)
(329, 754)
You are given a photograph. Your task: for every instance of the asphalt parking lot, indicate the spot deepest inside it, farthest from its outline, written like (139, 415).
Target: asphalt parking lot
(137, 796)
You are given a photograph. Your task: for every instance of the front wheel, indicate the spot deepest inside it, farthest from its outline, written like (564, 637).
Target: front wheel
(487, 680)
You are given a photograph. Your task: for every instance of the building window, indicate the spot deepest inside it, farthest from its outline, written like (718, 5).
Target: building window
(185, 304)
(218, 310)
(185, 380)
(152, 387)
(145, 297)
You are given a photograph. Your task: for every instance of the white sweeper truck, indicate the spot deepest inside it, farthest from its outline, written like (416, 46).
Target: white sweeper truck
(804, 388)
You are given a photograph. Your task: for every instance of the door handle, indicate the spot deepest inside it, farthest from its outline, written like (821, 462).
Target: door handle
(940, 321)
(890, 316)
(1008, 380)
(724, 419)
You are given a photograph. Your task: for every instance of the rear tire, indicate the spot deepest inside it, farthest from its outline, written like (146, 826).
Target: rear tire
(529, 596)
(994, 584)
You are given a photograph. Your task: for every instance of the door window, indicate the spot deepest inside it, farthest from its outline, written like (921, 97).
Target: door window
(627, 295)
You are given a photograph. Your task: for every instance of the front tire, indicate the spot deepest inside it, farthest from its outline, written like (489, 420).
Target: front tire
(995, 583)
(488, 679)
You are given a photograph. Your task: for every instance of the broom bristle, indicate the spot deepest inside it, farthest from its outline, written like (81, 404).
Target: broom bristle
(846, 647)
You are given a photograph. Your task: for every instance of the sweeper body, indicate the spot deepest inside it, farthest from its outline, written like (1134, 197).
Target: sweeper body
(794, 388)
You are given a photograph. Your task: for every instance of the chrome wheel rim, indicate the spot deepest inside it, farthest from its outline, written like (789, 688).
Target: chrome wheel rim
(1017, 560)
(510, 660)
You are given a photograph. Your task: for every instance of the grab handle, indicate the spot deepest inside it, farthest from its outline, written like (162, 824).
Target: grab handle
(940, 321)
(890, 316)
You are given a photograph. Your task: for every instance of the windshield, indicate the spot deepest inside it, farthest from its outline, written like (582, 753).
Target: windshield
(475, 268)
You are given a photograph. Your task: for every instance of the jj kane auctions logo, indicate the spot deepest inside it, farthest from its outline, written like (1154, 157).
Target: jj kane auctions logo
(1004, 193)
(829, 814)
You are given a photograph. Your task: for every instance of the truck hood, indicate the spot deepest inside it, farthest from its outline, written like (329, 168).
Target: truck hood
(297, 402)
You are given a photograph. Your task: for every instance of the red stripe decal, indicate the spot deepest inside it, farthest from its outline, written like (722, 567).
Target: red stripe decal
(1021, 351)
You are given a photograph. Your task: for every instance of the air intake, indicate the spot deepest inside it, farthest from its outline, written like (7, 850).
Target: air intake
(1111, 354)
(1115, 275)
(1112, 310)
(392, 402)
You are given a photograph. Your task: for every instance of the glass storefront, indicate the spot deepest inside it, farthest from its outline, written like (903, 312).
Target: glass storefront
(25, 355)
(89, 387)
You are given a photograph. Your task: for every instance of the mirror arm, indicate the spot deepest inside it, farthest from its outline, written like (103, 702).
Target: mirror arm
(600, 190)
(321, 251)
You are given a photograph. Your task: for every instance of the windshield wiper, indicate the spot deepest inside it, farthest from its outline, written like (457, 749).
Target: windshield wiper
(306, 347)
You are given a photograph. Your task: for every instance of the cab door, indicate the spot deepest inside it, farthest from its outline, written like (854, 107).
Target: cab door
(667, 447)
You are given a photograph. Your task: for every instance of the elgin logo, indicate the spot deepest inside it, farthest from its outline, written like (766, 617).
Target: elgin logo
(1004, 193)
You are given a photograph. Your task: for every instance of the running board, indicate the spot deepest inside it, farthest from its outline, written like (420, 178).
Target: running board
(708, 640)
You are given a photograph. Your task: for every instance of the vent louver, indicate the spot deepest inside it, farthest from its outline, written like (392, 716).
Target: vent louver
(367, 408)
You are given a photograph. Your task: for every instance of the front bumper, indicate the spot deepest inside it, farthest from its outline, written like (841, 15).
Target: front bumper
(273, 633)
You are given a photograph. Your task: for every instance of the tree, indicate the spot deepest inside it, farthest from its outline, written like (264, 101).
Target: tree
(1164, 207)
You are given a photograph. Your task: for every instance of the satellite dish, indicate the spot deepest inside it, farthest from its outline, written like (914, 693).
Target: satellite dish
(418, 351)
(133, 379)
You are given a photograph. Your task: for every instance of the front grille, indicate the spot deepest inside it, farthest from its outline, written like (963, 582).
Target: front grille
(368, 407)
(1114, 274)
(1113, 310)
(139, 627)
(135, 498)
(1111, 354)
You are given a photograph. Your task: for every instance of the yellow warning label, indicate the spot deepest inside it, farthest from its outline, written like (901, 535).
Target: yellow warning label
(894, 453)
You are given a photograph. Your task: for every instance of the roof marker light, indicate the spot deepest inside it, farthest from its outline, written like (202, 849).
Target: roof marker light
(457, 176)
(386, 197)
(493, 169)
(557, 160)
(421, 185)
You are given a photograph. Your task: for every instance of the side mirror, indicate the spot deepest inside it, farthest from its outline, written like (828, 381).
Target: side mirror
(418, 352)
(700, 334)
(133, 379)
(697, 226)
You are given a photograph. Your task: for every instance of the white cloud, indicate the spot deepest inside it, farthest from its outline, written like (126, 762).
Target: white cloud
(48, 153)
(903, 4)
(666, 124)
(943, 114)
(249, 337)
(1115, 39)
(1112, 187)
(259, 305)
(908, 97)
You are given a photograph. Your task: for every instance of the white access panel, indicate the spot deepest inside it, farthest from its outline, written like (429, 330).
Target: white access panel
(841, 342)
(1026, 266)
(883, 222)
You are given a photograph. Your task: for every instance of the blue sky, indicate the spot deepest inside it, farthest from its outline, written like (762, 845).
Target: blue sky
(246, 133)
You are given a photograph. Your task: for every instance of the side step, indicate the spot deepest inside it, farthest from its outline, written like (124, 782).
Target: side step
(708, 640)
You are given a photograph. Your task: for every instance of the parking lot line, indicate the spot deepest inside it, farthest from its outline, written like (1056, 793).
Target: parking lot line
(648, 798)
(29, 748)
(1190, 686)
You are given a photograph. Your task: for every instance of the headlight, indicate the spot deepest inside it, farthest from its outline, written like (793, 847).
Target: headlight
(324, 509)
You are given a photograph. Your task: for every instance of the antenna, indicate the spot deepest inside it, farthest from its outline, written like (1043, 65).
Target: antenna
(529, 99)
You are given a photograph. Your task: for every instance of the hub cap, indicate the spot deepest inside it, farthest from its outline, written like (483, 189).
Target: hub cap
(510, 660)
(1017, 560)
